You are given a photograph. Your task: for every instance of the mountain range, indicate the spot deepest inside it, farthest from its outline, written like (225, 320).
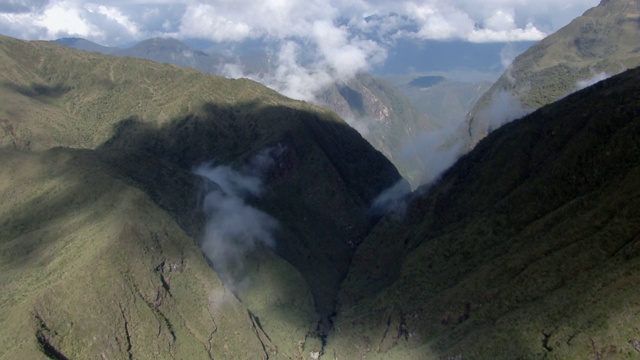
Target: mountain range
(391, 114)
(154, 211)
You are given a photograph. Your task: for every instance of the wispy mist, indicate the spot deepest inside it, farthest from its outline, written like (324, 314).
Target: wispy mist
(596, 78)
(504, 107)
(392, 199)
(437, 152)
(234, 228)
(433, 153)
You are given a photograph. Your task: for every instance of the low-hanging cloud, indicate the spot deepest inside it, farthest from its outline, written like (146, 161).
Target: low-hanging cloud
(234, 228)
(436, 152)
(302, 69)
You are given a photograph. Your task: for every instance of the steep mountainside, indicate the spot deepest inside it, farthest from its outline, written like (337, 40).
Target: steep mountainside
(528, 247)
(101, 209)
(600, 43)
(92, 267)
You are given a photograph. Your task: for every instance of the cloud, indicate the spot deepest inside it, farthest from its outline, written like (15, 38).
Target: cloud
(503, 108)
(392, 199)
(435, 151)
(69, 18)
(63, 18)
(295, 79)
(117, 18)
(529, 33)
(303, 69)
(203, 21)
(313, 42)
(596, 78)
(239, 20)
(234, 228)
(20, 6)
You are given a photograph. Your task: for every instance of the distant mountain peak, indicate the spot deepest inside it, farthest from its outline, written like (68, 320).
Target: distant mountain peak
(84, 44)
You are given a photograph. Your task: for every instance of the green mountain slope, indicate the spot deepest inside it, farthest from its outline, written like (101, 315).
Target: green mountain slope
(600, 43)
(527, 247)
(92, 267)
(104, 150)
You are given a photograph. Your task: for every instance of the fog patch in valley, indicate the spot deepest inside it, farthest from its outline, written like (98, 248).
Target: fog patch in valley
(393, 199)
(234, 228)
(436, 153)
(503, 108)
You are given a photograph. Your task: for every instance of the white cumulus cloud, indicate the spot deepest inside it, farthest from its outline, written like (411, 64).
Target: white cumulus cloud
(313, 42)
(237, 20)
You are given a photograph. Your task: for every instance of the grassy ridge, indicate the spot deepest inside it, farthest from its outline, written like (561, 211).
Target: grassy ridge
(79, 97)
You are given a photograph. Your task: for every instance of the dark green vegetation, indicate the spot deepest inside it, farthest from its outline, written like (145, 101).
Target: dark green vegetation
(100, 210)
(528, 247)
(602, 42)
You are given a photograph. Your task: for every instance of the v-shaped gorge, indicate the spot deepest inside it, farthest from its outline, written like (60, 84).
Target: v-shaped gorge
(119, 127)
